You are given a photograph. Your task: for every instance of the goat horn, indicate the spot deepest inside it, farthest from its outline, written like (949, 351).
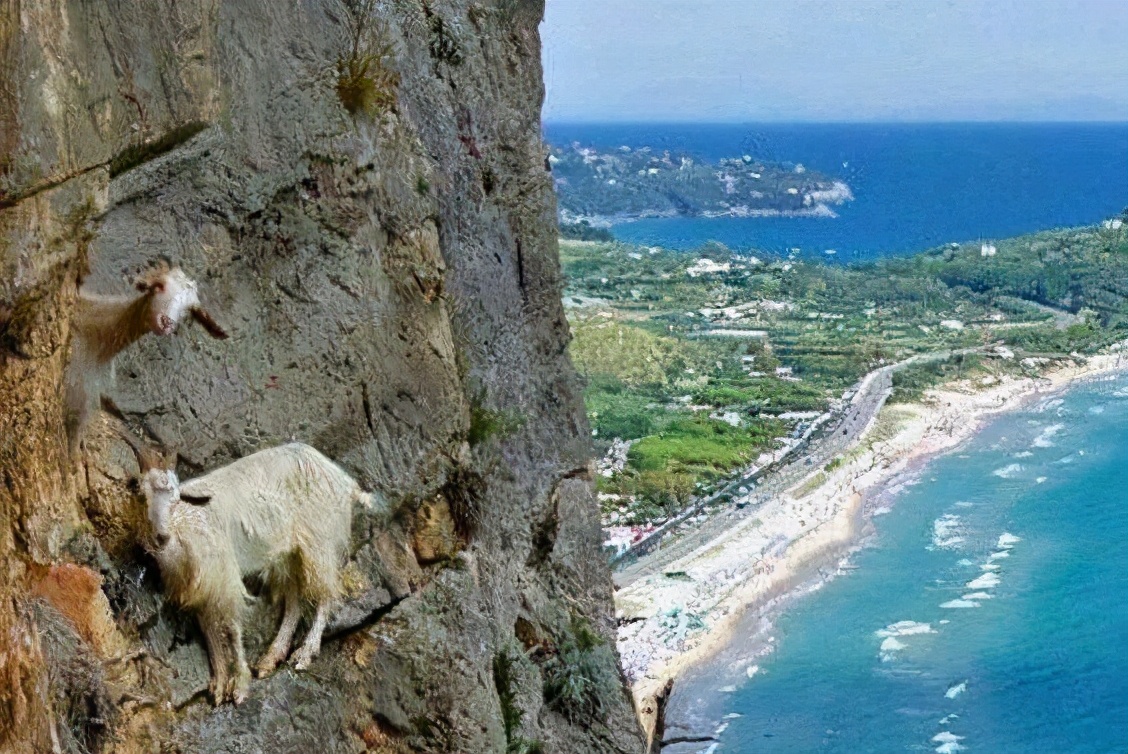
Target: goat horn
(200, 314)
(147, 458)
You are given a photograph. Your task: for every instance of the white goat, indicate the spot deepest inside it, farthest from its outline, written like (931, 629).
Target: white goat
(105, 325)
(283, 515)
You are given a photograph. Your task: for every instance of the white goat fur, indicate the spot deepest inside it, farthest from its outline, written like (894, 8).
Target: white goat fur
(283, 514)
(106, 325)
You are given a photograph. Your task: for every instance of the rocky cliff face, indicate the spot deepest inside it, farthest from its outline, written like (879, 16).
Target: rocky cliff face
(360, 189)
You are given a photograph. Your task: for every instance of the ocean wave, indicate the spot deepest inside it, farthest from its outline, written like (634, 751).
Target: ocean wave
(986, 581)
(905, 628)
(1040, 480)
(891, 645)
(1044, 438)
(998, 555)
(978, 596)
(1096, 409)
(1046, 405)
(956, 689)
(943, 531)
(990, 566)
(1008, 540)
(1008, 472)
(752, 670)
(949, 742)
(889, 648)
(957, 604)
(1023, 454)
(948, 718)
(964, 504)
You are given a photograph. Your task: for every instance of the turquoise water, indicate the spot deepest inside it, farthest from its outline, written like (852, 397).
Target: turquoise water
(917, 185)
(1038, 664)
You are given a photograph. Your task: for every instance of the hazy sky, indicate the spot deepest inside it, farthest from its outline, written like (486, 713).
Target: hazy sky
(717, 60)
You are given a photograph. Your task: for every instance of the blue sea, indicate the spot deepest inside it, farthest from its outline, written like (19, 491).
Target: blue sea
(988, 611)
(917, 186)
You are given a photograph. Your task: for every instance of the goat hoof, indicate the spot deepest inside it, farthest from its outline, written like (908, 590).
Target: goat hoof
(302, 660)
(239, 690)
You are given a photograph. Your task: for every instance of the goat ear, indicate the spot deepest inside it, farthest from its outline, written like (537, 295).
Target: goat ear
(195, 499)
(200, 314)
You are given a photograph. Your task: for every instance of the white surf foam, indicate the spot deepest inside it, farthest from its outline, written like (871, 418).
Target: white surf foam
(986, 581)
(950, 747)
(1045, 437)
(889, 648)
(1049, 404)
(752, 670)
(956, 690)
(964, 504)
(944, 737)
(905, 628)
(1008, 540)
(990, 566)
(891, 645)
(1008, 472)
(998, 555)
(957, 604)
(1040, 480)
(978, 596)
(944, 531)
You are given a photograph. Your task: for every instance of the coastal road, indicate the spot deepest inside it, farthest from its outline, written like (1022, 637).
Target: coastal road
(836, 437)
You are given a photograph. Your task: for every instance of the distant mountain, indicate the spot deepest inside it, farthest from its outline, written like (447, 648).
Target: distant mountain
(632, 183)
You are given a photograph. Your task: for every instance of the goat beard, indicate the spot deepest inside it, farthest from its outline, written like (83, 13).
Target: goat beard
(201, 315)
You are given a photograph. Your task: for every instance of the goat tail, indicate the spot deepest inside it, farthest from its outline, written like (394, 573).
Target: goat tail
(364, 498)
(373, 505)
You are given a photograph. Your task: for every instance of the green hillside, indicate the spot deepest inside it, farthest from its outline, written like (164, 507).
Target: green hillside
(704, 359)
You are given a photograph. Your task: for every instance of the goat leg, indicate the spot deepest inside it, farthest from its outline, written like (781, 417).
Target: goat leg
(240, 685)
(312, 644)
(281, 645)
(217, 653)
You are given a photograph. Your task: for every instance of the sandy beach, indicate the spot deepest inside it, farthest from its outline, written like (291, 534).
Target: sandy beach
(673, 620)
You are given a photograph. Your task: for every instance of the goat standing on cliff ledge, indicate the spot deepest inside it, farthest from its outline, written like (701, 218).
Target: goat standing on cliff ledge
(105, 325)
(283, 515)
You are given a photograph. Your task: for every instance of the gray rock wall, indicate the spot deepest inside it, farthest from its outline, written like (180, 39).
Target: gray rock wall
(360, 190)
